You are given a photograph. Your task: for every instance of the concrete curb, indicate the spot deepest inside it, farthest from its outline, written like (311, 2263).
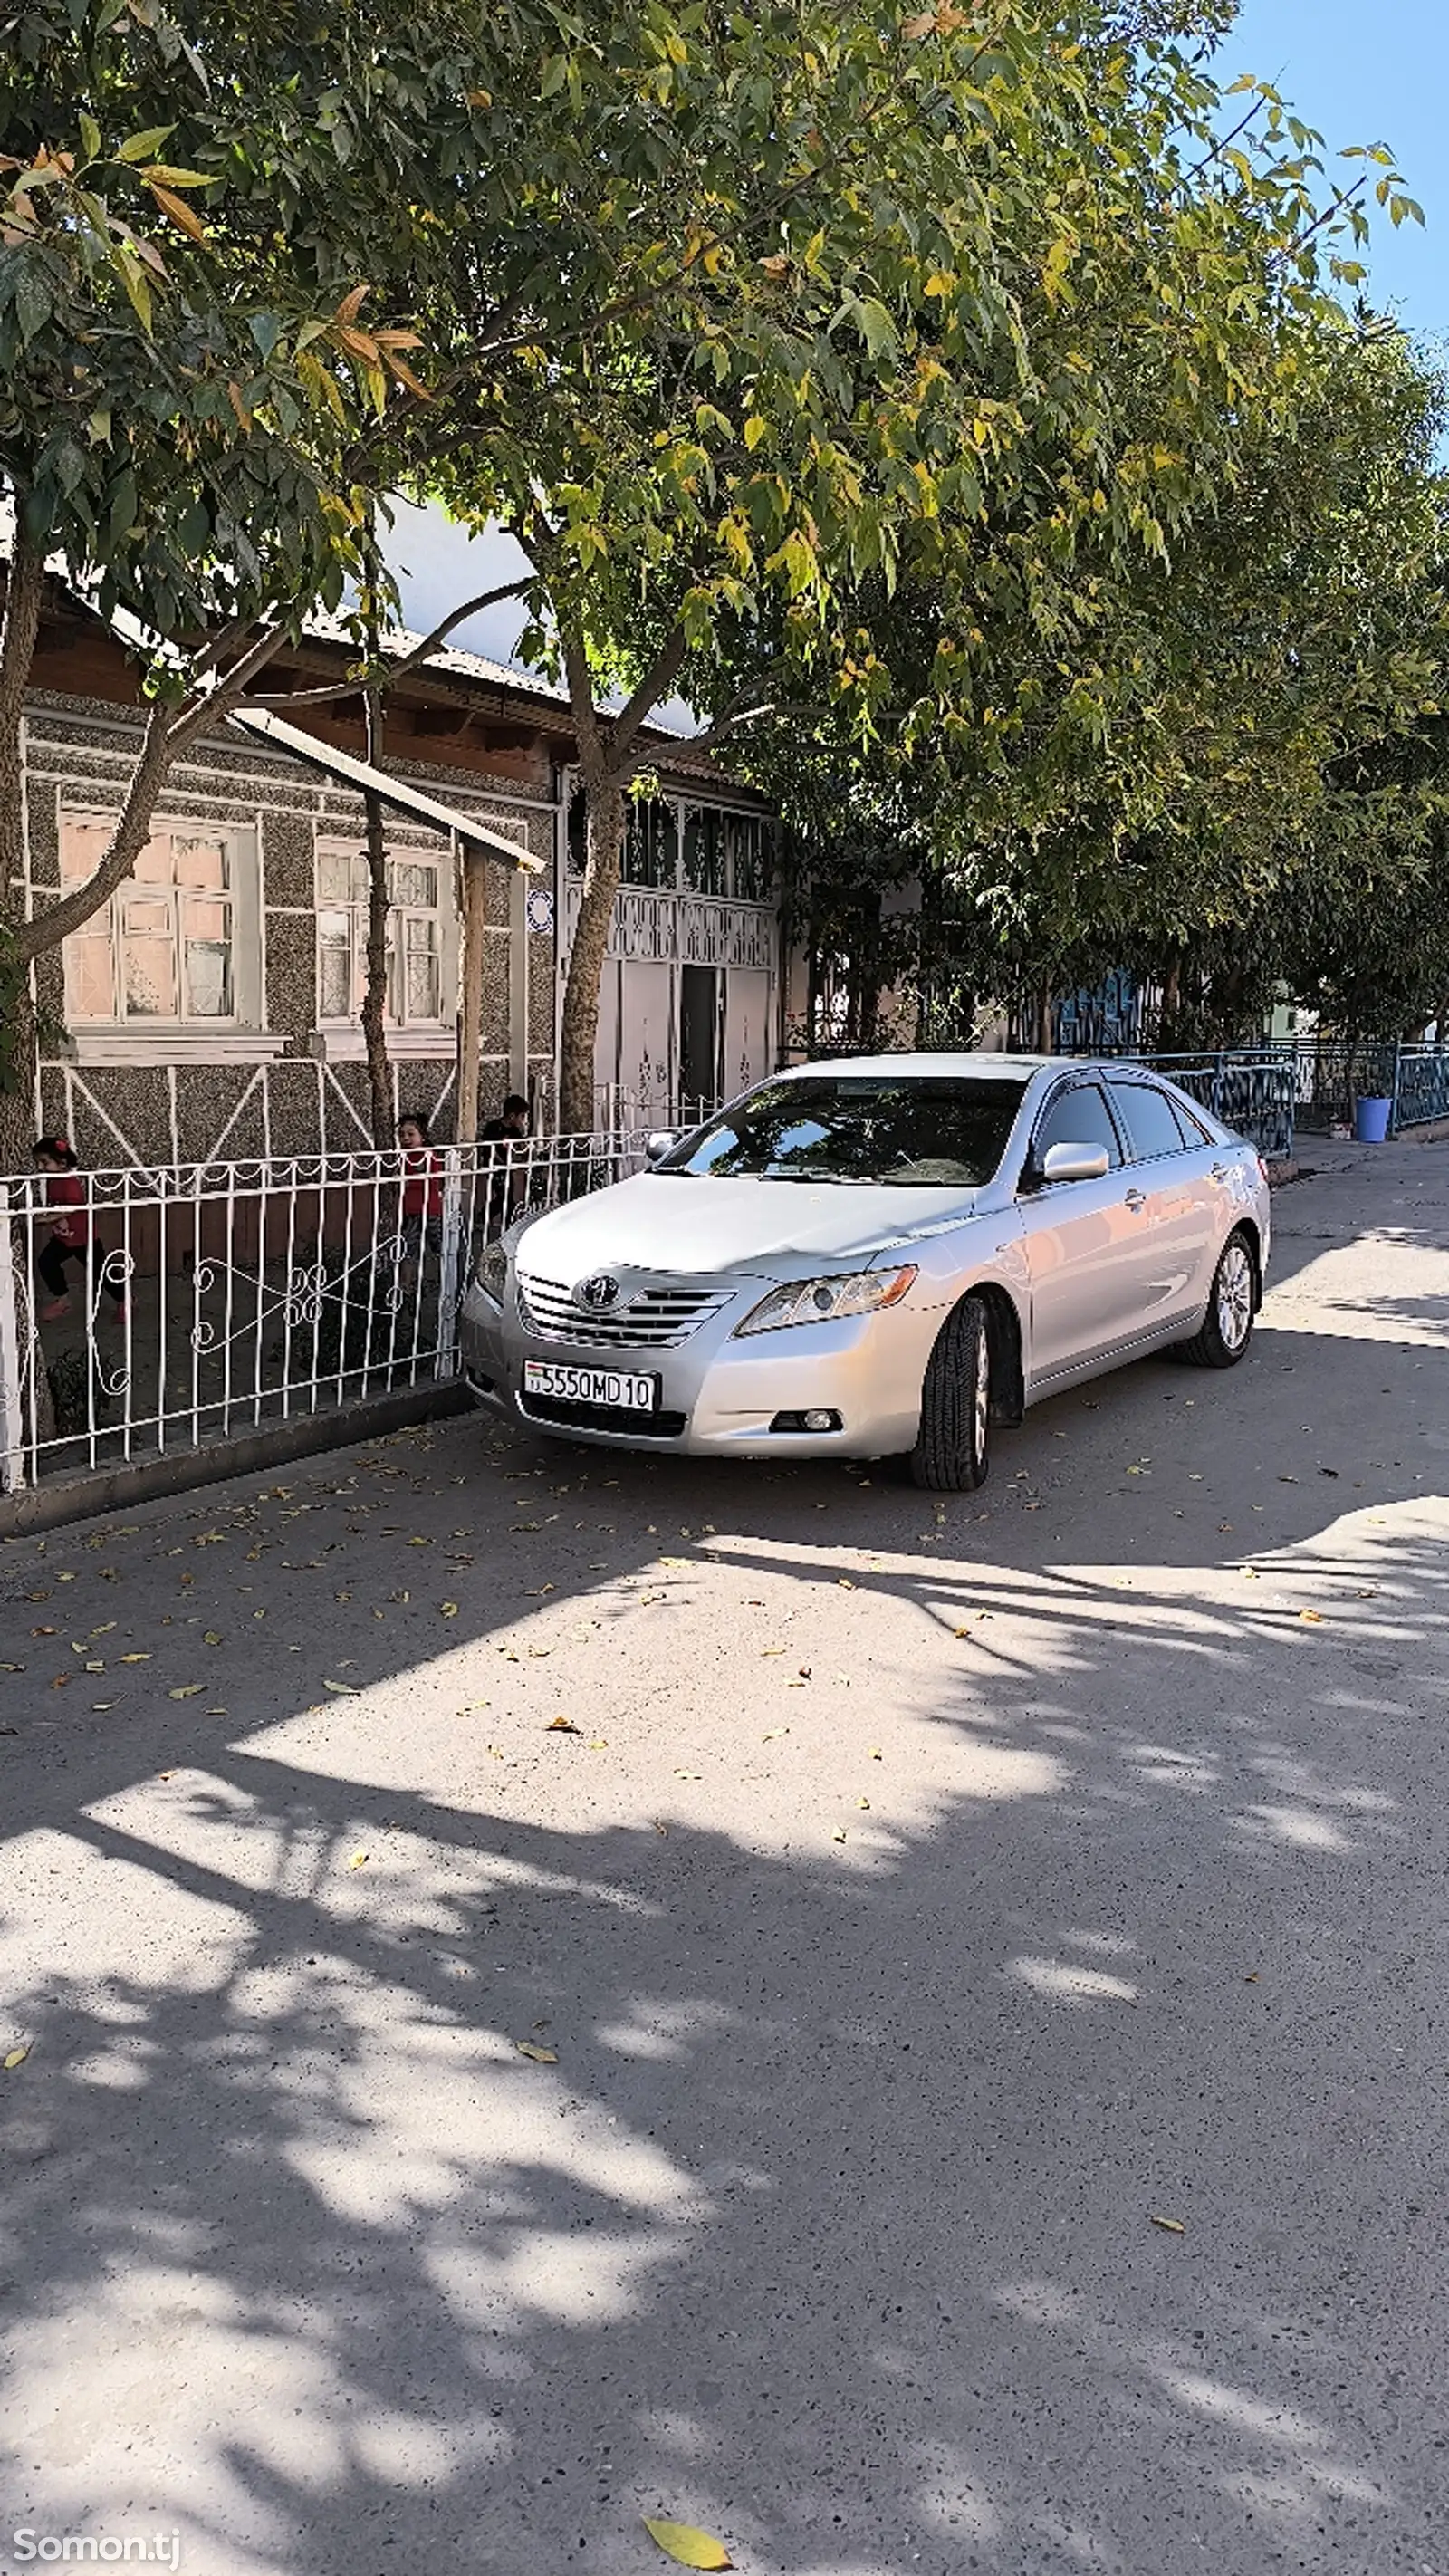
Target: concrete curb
(114, 1489)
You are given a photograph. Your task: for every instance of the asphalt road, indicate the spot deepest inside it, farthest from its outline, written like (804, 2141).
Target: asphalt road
(924, 1903)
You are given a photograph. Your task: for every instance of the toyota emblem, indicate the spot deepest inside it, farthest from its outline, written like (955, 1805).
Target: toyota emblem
(597, 1294)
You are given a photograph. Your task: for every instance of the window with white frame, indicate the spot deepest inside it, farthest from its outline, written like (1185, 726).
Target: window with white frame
(415, 937)
(178, 943)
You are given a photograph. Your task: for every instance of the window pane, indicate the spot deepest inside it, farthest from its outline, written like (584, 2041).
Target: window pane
(753, 860)
(334, 876)
(334, 955)
(704, 866)
(413, 882)
(149, 962)
(153, 867)
(425, 997)
(82, 848)
(207, 931)
(199, 862)
(1148, 1117)
(90, 985)
(1079, 1116)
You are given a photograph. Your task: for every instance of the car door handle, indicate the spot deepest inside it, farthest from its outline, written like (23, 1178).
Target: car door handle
(1137, 1198)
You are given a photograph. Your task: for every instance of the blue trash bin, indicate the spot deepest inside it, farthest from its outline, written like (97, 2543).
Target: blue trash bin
(1371, 1120)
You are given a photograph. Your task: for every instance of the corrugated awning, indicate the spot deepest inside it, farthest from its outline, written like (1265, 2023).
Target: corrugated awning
(265, 726)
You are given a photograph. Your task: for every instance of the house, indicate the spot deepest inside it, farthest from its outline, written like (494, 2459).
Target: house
(210, 1010)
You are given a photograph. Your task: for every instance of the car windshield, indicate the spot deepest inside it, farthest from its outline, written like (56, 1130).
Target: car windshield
(914, 1133)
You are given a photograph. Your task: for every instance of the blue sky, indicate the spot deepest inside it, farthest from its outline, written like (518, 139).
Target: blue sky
(1371, 75)
(1359, 75)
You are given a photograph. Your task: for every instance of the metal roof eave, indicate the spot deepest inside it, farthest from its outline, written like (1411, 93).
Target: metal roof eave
(266, 726)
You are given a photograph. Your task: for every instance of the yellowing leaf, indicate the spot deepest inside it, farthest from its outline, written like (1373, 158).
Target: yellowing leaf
(542, 2057)
(212, 1637)
(344, 1690)
(560, 1726)
(844, 1583)
(135, 1659)
(1313, 1618)
(357, 1860)
(448, 1610)
(687, 2545)
(839, 1834)
(873, 1753)
(17, 2057)
(186, 1690)
(598, 1744)
(1170, 2226)
(862, 1802)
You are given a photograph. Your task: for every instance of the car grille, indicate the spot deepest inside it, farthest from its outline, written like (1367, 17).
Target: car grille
(602, 1417)
(658, 1319)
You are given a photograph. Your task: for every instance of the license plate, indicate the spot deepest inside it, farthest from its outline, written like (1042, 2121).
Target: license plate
(619, 1390)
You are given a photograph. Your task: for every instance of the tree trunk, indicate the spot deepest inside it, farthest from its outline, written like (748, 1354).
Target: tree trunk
(24, 596)
(603, 850)
(470, 1001)
(374, 999)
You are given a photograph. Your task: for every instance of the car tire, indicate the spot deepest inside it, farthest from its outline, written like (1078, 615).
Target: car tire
(1227, 1327)
(951, 1455)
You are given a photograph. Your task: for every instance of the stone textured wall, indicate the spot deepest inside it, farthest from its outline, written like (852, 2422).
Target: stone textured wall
(291, 1094)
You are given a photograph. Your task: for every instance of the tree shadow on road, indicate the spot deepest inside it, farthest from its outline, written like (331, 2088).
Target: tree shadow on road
(832, 2224)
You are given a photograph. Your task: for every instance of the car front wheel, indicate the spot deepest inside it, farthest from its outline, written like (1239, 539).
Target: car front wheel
(951, 1451)
(1227, 1327)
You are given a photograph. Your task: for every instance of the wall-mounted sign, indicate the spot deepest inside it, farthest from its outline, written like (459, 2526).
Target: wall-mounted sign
(540, 909)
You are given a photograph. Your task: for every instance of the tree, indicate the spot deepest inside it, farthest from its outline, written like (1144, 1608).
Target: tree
(851, 297)
(198, 204)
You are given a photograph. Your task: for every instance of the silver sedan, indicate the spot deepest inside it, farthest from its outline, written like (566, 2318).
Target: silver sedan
(877, 1257)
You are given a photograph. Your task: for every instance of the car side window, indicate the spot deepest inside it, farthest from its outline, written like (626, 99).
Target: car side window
(1194, 1134)
(1149, 1119)
(1079, 1115)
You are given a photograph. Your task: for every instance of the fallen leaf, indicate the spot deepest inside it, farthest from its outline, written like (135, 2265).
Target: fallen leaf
(420, 1542)
(357, 1860)
(1314, 1618)
(17, 2057)
(541, 2057)
(212, 1637)
(689, 1775)
(1251, 1978)
(95, 1667)
(448, 1610)
(1170, 2226)
(687, 2545)
(659, 1826)
(839, 1834)
(560, 1726)
(873, 1753)
(186, 1690)
(135, 1659)
(774, 1734)
(844, 1583)
(862, 1802)
(45, 1632)
(598, 1744)
(344, 1690)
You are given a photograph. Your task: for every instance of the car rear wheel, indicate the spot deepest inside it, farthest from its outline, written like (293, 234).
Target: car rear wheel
(952, 1444)
(1227, 1327)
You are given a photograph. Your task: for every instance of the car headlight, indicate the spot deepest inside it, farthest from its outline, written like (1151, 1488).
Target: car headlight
(493, 1273)
(825, 1301)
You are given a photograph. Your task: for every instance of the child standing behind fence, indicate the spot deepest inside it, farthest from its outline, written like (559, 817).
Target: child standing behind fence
(71, 1236)
(422, 1193)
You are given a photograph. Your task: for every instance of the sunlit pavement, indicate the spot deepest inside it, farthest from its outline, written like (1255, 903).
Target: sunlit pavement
(924, 1902)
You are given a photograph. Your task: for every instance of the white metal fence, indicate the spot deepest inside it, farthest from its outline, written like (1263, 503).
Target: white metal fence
(153, 1309)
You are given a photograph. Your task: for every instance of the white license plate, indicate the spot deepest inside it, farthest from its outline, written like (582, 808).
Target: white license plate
(620, 1390)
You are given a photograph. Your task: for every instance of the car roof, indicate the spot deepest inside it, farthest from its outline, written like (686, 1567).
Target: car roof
(969, 1068)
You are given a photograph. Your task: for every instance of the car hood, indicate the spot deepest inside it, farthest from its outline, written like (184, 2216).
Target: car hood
(762, 1229)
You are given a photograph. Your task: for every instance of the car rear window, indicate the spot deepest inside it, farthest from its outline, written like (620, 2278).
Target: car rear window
(1149, 1118)
(915, 1133)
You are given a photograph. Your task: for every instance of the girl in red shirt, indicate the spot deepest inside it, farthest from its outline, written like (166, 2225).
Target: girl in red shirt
(422, 1192)
(72, 1236)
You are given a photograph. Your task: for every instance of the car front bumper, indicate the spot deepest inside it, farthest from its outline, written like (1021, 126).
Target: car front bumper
(718, 1393)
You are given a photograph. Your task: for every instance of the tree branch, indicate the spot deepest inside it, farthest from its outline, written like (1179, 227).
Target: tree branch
(656, 683)
(388, 676)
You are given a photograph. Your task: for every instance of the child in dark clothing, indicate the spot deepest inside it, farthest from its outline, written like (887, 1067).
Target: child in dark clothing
(72, 1236)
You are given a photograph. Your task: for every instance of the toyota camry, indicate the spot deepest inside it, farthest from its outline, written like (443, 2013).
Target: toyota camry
(882, 1256)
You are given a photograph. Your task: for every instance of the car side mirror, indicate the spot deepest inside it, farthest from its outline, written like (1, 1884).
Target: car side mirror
(1075, 1163)
(657, 1146)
